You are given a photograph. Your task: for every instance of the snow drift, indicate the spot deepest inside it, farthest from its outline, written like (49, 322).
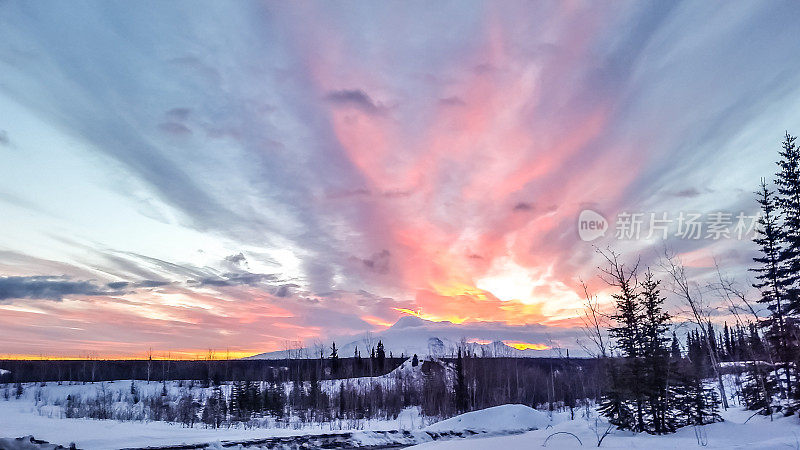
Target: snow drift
(498, 419)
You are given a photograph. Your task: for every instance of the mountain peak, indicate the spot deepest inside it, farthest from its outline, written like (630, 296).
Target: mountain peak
(410, 321)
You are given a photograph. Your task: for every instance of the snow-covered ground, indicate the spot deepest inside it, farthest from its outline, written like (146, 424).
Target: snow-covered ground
(758, 433)
(740, 430)
(22, 418)
(39, 412)
(509, 427)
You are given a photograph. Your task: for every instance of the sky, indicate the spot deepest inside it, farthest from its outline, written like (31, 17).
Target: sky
(242, 175)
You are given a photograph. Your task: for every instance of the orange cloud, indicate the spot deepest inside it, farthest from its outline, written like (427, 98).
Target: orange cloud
(526, 345)
(475, 307)
(377, 320)
(430, 317)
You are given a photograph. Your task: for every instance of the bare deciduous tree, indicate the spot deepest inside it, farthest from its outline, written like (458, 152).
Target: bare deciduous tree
(594, 322)
(700, 311)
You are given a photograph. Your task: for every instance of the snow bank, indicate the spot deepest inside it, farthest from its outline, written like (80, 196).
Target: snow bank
(498, 419)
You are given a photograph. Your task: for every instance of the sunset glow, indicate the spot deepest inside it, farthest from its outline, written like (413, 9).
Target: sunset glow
(186, 355)
(275, 173)
(526, 345)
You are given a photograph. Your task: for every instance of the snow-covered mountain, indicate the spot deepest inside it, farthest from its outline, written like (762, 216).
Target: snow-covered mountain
(413, 335)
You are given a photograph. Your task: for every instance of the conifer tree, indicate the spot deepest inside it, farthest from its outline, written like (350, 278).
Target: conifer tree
(613, 405)
(774, 285)
(380, 356)
(698, 404)
(342, 401)
(787, 182)
(758, 388)
(623, 404)
(712, 339)
(314, 392)
(214, 410)
(755, 342)
(697, 354)
(460, 385)
(255, 398)
(726, 335)
(277, 400)
(334, 359)
(238, 407)
(134, 392)
(675, 347)
(658, 373)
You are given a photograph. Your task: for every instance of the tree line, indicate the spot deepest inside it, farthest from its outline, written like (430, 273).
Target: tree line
(440, 388)
(651, 385)
(95, 370)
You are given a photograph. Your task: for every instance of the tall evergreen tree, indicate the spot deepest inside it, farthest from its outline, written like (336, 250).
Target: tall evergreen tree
(334, 359)
(695, 349)
(755, 342)
(624, 404)
(460, 386)
(712, 339)
(788, 201)
(675, 347)
(655, 323)
(380, 356)
(627, 317)
(727, 342)
(357, 362)
(773, 283)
